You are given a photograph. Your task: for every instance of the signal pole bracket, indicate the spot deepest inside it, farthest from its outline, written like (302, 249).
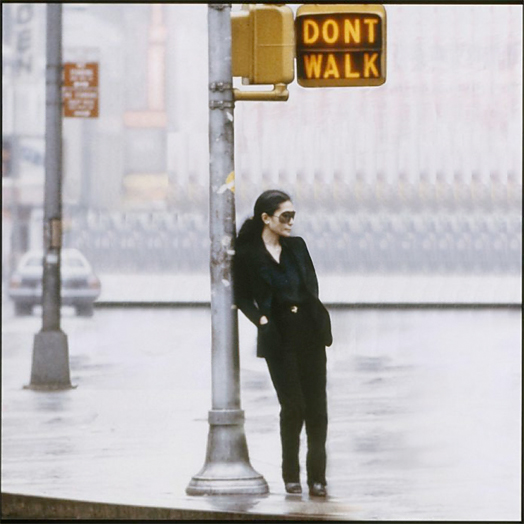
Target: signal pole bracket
(279, 93)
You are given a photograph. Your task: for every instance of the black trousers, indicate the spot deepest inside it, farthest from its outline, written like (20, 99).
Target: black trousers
(298, 373)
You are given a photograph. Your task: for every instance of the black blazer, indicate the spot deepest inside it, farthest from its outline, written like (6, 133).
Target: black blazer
(254, 294)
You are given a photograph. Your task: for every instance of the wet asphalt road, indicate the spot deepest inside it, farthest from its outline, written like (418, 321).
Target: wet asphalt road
(424, 406)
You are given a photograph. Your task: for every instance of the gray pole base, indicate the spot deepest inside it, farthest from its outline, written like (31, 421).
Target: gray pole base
(50, 369)
(227, 470)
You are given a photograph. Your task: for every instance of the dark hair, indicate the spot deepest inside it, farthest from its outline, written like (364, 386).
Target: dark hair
(268, 202)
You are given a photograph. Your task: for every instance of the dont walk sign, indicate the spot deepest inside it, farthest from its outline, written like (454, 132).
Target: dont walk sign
(341, 45)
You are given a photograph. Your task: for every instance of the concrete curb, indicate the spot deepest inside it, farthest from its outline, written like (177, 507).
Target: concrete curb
(335, 305)
(16, 507)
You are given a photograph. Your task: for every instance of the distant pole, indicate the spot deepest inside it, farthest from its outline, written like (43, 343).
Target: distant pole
(16, 243)
(50, 368)
(87, 166)
(227, 470)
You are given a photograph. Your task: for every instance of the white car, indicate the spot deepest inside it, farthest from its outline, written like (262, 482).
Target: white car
(80, 286)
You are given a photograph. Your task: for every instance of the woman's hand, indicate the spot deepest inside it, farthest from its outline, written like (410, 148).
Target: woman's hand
(263, 320)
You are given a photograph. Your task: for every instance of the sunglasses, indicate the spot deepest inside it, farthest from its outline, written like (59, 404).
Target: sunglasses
(286, 216)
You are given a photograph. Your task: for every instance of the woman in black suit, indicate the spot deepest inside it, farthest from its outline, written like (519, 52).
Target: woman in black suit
(276, 288)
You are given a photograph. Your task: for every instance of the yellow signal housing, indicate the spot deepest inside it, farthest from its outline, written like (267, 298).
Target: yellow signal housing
(263, 44)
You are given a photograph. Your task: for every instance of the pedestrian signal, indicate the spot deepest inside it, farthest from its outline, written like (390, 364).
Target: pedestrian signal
(341, 45)
(263, 44)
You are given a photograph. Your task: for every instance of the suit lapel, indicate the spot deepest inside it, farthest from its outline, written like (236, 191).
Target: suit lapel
(260, 261)
(296, 254)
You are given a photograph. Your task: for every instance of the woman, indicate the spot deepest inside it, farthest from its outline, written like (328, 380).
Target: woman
(276, 288)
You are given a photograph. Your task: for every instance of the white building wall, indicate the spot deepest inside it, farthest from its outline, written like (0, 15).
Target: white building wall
(452, 103)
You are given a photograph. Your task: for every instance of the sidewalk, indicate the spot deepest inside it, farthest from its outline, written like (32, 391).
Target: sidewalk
(335, 290)
(407, 392)
(119, 446)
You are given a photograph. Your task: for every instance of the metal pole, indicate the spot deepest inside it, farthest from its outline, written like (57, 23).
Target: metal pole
(86, 173)
(50, 368)
(227, 469)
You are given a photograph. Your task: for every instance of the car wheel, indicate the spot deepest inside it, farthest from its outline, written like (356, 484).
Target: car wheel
(86, 310)
(23, 310)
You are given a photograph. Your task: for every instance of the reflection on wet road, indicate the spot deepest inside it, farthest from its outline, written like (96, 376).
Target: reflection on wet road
(424, 407)
(424, 413)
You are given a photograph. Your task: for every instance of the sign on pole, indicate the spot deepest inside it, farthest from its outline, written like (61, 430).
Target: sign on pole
(341, 45)
(80, 89)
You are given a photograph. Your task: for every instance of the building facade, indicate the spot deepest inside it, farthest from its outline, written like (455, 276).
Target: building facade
(440, 142)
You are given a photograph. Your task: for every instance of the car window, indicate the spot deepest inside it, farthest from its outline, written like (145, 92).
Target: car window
(34, 261)
(73, 262)
(68, 261)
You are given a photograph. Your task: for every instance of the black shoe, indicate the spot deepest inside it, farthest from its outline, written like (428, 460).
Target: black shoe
(317, 490)
(293, 487)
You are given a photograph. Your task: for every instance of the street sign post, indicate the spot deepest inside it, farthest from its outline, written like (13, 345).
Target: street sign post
(50, 366)
(80, 90)
(341, 45)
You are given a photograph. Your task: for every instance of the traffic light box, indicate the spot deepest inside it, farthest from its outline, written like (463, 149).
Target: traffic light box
(263, 44)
